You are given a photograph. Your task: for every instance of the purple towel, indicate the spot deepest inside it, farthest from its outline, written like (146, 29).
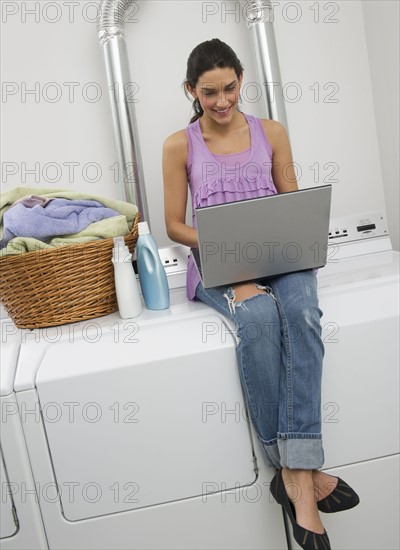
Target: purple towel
(58, 217)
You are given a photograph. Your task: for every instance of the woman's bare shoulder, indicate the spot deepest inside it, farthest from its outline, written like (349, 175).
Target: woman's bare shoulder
(273, 127)
(275, 132)
(176, 144)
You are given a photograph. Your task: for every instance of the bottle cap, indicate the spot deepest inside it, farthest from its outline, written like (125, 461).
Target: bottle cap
(143, 228)
(119, 241)
(120, 252)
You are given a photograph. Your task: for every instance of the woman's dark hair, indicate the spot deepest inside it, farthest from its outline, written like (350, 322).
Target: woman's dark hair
(209, 55)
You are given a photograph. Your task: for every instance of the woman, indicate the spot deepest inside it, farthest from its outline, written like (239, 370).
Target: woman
(279, 349)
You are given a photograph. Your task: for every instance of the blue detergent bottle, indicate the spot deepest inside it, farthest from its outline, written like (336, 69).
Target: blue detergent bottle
(152, 276)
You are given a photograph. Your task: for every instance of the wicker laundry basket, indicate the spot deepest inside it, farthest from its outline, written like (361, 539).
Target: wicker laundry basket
(67, 284)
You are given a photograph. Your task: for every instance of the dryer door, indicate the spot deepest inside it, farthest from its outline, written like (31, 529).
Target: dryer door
(144, 416)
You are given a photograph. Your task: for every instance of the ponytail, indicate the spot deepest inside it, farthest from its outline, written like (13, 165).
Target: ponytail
(198, 111)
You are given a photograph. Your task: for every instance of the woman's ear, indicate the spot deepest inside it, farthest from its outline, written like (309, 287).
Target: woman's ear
(191, 90)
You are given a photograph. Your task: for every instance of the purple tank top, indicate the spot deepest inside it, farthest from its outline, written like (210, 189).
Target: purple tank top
(216, 179)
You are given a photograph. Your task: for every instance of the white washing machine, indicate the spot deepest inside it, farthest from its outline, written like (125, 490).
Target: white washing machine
(137, 432)
(359, 294)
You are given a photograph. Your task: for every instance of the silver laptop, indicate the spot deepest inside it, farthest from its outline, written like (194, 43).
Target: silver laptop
(263, 237)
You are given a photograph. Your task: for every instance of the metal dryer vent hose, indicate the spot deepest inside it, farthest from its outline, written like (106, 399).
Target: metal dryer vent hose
(111, 33)
(259, 18)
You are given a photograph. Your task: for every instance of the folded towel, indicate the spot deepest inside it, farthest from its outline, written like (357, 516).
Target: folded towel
(8, 198)
(58, 217)
(106, 228)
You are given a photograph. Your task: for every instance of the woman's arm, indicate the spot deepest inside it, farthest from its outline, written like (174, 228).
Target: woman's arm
(283, 172)
(175, 152)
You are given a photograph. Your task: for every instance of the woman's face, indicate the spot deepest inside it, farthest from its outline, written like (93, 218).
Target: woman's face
(218, 93)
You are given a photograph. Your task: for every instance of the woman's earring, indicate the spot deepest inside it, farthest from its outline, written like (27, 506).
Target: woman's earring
(196, 106)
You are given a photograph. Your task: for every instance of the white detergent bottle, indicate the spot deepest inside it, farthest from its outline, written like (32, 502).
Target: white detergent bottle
(126, 285)
(152, 276)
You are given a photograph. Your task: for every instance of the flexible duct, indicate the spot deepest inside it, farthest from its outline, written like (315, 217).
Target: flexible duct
(111, 32)
(259, 17)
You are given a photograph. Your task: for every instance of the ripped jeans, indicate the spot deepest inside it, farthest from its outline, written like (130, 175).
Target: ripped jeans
(279, 352)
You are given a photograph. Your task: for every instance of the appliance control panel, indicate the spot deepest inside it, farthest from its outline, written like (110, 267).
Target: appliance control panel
(357, 227)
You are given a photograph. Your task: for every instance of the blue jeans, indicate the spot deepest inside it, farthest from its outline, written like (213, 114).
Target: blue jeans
(279, 352)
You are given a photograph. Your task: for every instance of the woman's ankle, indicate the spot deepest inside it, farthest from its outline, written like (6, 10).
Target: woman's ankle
(324, 484)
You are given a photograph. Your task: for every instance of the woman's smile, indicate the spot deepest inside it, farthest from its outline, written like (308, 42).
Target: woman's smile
(224, 112)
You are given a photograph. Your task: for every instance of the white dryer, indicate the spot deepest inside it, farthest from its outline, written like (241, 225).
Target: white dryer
(138, 436)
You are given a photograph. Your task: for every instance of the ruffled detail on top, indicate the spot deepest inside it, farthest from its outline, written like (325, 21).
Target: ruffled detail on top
(221, 190)
(219, 179)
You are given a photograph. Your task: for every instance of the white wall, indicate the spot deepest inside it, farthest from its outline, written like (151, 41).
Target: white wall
(382, 31)
(66, 139)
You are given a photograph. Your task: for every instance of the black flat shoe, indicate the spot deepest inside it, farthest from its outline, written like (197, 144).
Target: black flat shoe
(304, 538)
(343, 497)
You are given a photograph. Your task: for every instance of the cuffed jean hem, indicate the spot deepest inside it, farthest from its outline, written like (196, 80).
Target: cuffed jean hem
(271, 453)
(296, 451)
(301, 451)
